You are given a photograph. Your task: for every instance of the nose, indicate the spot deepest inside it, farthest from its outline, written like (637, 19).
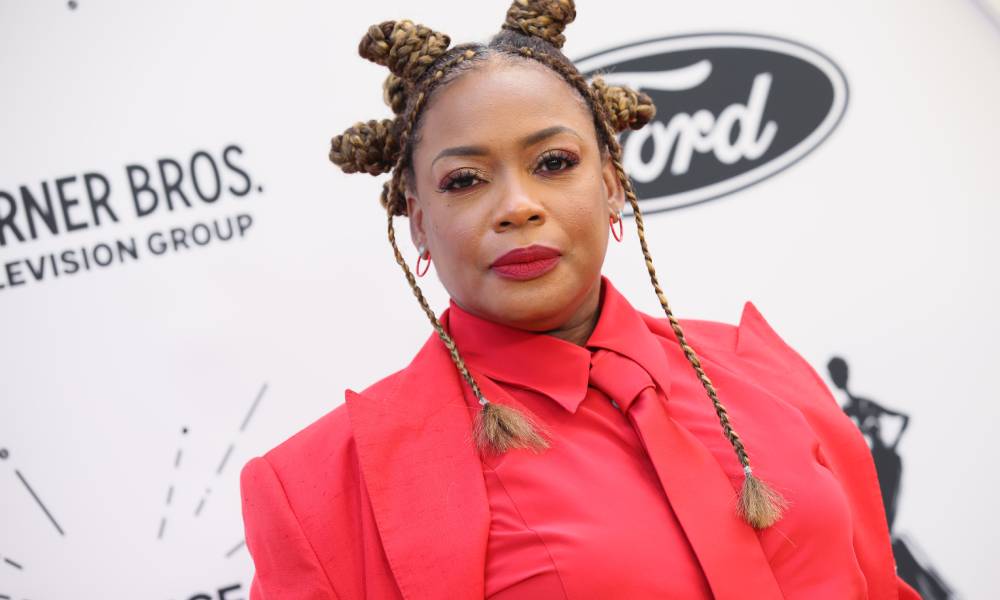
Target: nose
(517, 209)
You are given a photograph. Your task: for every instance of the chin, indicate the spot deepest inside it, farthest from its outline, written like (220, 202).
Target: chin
(538, 304)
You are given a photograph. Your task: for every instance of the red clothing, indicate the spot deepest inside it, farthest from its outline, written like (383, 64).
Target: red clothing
(388, 499)
(590, 518)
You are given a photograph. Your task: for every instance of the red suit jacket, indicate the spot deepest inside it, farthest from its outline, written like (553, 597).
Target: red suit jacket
(384, 496)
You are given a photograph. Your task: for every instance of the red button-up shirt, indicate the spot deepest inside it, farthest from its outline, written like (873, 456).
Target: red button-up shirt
(593, 516)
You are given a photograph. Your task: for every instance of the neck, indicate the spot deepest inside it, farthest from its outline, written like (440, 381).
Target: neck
(577, 329)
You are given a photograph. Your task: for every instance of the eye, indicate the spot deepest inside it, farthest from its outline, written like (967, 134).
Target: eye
(459, 180)
(557, 160)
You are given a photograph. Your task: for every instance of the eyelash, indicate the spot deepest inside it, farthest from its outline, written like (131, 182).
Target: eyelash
(568, 159)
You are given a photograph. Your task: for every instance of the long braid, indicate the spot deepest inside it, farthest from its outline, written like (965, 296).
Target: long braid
(759, 504)
(497, 428)
(422, 300)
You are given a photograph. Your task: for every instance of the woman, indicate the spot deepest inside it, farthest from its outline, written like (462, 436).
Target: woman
(550, 441)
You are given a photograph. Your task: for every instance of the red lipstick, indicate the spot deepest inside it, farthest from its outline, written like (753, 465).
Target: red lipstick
(526, 263)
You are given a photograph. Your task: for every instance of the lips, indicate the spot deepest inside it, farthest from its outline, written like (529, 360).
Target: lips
(526, 263)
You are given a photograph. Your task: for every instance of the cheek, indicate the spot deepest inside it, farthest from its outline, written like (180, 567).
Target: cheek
(587, 220)
(456, 245)
(594, 242)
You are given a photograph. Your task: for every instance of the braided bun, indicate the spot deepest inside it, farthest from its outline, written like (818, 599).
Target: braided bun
(626, 108)
(394, 93)
(404, 46)
(545, 19)
(366, 148)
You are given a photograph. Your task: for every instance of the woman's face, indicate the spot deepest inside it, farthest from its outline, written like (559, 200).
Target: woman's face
(508, 160)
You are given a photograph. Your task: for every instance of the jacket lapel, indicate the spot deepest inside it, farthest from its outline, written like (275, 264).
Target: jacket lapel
(424, 477)
(846, 451)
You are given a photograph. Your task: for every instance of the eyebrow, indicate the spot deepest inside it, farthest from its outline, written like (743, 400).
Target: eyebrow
(532, 138)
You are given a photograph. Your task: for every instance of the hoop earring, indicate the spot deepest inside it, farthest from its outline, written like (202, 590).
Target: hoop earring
(420, 257)
(620, 234)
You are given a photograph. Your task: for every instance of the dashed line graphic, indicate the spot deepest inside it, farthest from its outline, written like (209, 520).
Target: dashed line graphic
(225, 458)
(229, 450)
(253, 407)
(236, 548)
(201, 503)
(170, 487)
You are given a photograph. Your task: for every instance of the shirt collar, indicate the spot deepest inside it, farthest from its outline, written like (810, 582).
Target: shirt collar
(542, 363)
(621, 329)
(551, 366)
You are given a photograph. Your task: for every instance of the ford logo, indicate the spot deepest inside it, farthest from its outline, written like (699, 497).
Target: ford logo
(732, 110)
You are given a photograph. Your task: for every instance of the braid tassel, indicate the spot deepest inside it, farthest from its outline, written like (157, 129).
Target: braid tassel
(498, 428)
(758, 503)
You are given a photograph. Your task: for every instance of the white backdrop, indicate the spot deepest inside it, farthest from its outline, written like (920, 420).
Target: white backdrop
(158, 376)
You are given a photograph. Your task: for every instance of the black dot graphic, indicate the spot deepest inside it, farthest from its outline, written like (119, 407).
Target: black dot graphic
(72, 4)
(184, 430)
(260, 189)
(4, 454)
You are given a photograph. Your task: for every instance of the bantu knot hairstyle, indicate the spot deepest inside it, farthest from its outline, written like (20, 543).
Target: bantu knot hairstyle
(626, 108)
(409, 50)
(403, 46)
(545, 19)
(366, 147)
(420, 60)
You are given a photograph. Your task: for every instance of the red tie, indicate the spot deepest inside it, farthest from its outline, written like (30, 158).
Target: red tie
(700, 493)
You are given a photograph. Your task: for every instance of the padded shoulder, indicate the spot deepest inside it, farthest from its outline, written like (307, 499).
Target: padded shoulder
(706, 334)
(755, 350)
(329, 439)
(759, 342)
(325, 441)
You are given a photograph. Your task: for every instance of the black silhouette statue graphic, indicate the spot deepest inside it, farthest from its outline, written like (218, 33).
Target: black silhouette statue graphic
(876, 424)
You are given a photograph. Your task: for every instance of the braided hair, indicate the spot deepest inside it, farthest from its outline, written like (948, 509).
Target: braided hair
(420, 61)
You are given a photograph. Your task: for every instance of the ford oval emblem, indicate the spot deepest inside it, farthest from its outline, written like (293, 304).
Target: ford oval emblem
(732, 110)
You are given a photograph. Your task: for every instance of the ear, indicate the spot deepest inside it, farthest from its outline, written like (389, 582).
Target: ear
(614, 192)
(415, 214)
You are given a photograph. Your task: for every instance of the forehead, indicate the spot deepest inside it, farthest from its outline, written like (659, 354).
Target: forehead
(502, 100)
